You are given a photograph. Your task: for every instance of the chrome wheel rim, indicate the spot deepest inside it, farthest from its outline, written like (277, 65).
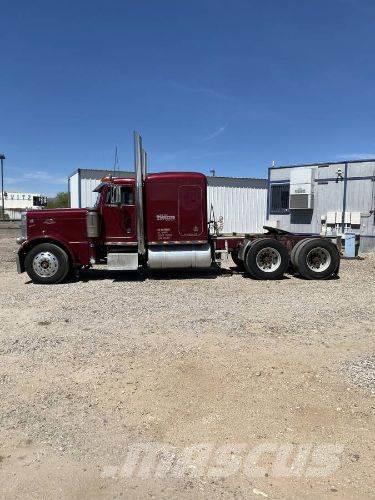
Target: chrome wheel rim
(318, 259)
(45, 264)
(268, 259)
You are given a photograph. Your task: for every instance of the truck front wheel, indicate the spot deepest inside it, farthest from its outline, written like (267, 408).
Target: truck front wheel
(267, 259)
(47, 264)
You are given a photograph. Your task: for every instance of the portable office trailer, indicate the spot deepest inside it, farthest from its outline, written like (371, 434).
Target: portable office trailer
(239, 204)
(329, 198)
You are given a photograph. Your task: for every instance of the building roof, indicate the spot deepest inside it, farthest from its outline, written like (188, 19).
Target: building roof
(91, 173)
(237, 182)
(321, 164)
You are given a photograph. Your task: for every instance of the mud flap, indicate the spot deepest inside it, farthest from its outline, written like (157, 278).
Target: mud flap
(20, 267)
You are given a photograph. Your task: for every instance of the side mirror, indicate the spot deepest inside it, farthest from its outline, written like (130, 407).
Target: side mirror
(118, 195)
(115, 195)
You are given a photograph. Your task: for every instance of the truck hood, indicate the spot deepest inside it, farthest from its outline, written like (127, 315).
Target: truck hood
(56, 212)
(61, 224)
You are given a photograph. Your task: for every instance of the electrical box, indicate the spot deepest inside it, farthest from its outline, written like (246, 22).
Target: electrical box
(273, 223)
(301, 188)
(331, 218)
(356, 219)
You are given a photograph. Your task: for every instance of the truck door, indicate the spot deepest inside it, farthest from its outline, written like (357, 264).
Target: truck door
(118, 214)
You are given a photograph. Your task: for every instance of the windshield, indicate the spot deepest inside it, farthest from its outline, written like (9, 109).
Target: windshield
(97, 191)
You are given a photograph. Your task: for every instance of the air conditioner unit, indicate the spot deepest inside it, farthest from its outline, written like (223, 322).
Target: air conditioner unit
(301, 195)
(301, 201)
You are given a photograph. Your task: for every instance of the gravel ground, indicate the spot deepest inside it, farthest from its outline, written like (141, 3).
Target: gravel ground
(93, 367)
(362, 372)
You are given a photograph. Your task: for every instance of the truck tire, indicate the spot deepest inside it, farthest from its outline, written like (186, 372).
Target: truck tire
(239, 263)
(293, 253)
(47, 264)
(317, 259)
(267, 259)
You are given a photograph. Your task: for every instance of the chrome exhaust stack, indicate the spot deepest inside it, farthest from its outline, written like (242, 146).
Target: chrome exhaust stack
(140, 166)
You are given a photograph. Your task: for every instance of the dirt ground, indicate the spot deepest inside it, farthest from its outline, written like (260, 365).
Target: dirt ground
(246, 389)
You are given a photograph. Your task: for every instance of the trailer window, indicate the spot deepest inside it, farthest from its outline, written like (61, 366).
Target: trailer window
(279, 198)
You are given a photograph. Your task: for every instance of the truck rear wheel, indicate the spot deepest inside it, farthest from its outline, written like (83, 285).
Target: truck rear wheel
(267, 259)
(293, 253)
(47, 264)
(317, 259)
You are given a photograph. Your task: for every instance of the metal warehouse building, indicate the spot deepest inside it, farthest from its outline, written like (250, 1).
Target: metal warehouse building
(328, 198)
(241, 202)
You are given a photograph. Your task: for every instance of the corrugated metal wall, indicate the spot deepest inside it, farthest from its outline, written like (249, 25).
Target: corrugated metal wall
(243, 209)
(88, 198)
(74, 190)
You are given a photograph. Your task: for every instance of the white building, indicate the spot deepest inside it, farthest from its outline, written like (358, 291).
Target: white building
(16, 202)
(240, 202)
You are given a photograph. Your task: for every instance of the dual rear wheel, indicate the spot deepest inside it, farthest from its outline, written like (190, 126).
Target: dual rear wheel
(312, 258)
(266, 259)
(315, 258)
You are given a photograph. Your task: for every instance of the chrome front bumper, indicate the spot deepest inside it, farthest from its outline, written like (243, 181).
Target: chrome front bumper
(20, 240)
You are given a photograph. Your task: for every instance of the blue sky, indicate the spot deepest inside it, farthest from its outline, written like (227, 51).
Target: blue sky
(210, 84)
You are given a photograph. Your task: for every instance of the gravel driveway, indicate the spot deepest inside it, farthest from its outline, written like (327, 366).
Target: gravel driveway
(93, 369)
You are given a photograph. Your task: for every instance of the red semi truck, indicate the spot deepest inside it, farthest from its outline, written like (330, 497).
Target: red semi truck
(159, 221)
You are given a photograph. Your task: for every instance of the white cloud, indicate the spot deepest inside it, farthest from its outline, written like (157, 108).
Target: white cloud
(215, 133)
(36, 181)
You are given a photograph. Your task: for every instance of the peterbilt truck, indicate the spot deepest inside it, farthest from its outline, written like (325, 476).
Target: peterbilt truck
(159, 221)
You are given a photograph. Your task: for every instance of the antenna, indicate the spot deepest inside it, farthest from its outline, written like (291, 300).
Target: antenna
(116, 162)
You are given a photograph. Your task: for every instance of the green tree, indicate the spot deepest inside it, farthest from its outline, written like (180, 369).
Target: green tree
(61, 200)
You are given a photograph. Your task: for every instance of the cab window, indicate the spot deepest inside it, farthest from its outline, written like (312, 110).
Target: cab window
(120, 195)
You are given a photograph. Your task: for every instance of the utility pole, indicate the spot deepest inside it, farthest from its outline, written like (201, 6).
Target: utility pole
(2, 158)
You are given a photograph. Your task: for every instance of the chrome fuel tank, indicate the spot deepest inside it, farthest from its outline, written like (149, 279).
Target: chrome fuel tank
(180, 257)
